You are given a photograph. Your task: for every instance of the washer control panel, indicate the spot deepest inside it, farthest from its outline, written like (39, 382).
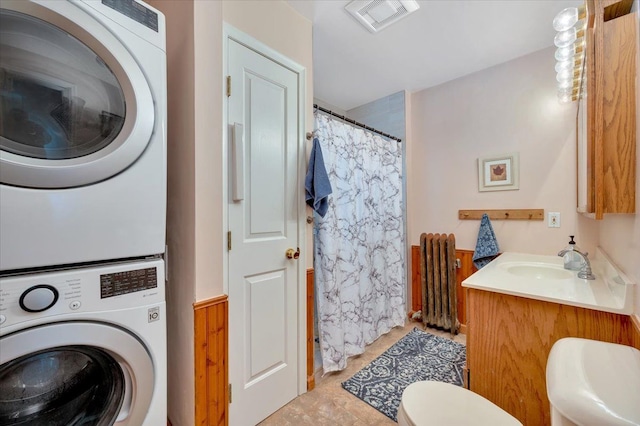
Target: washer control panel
(38, 298)
(38, 294)
(77, 291)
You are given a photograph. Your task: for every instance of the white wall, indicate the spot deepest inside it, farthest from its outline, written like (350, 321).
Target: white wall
(181, 188)
(511, 107)
(194, 213)
(210, 237)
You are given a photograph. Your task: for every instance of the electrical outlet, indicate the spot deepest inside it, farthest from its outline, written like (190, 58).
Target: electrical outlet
(554, 219)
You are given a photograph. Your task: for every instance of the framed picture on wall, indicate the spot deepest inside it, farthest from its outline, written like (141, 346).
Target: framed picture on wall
(498, 173)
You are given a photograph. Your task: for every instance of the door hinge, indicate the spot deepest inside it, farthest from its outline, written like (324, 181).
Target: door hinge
(229, 241)
(230, 394)
(228, 86)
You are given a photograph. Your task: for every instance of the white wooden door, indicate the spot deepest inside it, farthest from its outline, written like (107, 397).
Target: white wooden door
(263, 220)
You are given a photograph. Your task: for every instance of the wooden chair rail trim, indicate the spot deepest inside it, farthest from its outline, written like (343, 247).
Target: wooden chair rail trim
(203, 304)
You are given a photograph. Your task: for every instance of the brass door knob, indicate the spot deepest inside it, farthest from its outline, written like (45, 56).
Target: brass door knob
(291, 254)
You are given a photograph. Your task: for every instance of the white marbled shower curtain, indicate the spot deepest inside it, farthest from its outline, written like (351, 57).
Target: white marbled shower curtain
(359, 245)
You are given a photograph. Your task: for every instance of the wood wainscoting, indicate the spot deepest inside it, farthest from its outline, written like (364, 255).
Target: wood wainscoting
(311, 380)
(635, 331)
(211, 337)
(466, 269)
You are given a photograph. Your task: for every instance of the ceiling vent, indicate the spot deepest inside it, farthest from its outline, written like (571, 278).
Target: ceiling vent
(378, 14)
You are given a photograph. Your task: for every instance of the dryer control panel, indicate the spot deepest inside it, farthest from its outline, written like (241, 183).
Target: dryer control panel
(78, 291)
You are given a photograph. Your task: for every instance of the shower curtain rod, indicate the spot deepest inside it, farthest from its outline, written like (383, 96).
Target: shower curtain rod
(355, 123)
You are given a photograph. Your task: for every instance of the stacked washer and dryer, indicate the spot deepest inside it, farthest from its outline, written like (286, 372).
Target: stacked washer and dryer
(82, 213)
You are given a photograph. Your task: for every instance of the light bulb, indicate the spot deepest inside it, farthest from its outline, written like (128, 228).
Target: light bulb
(565, 84)
(564, 75)
(565, 19)
(565, 53)
(565, 38)
(564, 65)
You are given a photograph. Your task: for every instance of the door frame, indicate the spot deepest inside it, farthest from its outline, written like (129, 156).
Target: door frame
(231, 33)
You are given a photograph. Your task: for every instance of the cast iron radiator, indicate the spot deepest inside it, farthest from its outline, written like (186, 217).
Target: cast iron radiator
(438, 275)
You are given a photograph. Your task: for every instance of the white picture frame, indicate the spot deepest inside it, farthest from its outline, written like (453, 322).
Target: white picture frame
(499, 173)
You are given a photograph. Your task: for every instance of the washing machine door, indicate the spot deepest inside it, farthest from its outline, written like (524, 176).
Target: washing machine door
(75, 107)
(74, 373)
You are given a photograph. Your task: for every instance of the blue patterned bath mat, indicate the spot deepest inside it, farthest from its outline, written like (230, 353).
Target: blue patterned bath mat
(417, 356)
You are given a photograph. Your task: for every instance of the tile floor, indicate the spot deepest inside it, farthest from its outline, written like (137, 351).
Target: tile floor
(329, 404)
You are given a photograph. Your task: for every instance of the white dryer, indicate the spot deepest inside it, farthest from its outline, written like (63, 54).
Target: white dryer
(82, 132)
(84, 346)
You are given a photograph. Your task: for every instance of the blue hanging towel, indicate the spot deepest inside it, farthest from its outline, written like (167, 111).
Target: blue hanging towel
(316, 183)
(487, 245)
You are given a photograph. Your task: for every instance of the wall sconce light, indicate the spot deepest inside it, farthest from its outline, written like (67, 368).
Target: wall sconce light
(569, 40)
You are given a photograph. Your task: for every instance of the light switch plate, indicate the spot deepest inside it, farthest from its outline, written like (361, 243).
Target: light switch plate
(554, 219)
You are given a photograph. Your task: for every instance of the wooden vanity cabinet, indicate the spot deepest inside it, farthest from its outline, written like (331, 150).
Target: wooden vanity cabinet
(508, 343)
(607, 111)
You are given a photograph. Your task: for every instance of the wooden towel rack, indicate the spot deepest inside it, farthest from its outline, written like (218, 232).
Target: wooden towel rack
(506, 214)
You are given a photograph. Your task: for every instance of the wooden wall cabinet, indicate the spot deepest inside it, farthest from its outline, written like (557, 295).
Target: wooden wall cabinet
(509, 339)
(606, 124)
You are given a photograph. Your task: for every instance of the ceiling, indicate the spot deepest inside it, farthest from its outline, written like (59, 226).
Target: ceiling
(442, 41)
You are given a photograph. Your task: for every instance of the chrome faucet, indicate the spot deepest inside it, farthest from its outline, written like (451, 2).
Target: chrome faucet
(585, 273)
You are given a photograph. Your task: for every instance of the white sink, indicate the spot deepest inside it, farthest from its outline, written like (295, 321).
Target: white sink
(538, 271)
(593, 383)
(543, 277)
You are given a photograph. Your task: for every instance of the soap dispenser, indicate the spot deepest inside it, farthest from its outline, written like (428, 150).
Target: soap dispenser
(572, 260)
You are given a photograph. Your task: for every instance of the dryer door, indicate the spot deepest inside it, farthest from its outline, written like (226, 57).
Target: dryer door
(75, 107)
(74, 373)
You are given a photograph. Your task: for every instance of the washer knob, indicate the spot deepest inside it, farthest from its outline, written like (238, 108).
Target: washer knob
(38, 298)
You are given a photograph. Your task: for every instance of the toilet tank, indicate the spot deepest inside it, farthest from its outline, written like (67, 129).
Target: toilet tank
(593, 383)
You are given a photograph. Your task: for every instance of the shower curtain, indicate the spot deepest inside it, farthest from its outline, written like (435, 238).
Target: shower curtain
(359, 245)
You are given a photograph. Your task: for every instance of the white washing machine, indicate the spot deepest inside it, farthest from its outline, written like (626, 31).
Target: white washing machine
(82, 132)
(84, 346)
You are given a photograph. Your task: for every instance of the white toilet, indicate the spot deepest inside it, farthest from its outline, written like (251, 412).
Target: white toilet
(593, 383)
(436, 403)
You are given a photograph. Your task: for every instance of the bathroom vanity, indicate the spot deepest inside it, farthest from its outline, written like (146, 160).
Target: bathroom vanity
(519, 305)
